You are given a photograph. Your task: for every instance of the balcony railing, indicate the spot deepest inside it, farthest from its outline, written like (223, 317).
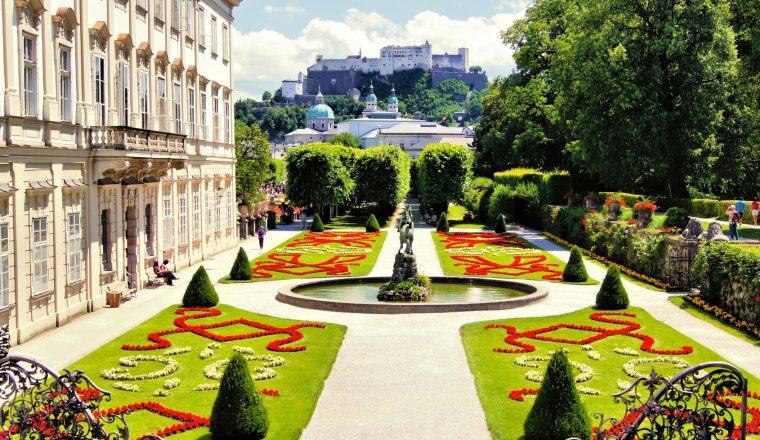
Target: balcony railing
(135, 139)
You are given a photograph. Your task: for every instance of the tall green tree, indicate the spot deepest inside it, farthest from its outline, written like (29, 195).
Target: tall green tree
(253, 160)
(444, 171)
(382, 176)
(346, 139)
(317, 176)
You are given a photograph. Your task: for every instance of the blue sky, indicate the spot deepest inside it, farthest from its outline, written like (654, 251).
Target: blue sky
(277, 39)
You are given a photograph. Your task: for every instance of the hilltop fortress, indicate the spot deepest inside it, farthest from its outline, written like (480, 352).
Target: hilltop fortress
(340, 76)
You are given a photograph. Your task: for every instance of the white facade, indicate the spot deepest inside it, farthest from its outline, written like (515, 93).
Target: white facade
(395, 59)
(291, 88)
(116, 148)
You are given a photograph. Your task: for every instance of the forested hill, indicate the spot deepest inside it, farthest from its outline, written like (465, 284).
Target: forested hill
(413, 88)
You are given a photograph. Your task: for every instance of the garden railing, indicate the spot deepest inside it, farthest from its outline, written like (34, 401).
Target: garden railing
(38, 403)
(701, 402)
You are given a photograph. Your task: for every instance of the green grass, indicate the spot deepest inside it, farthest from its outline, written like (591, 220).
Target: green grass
(547, 268)
(455, 215)
(347, 222)
(299, 381)
(701, 314)
(744, 231)
(496, 373)
(314, 254)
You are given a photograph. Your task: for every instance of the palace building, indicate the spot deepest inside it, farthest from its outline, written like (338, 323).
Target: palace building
(116, 148)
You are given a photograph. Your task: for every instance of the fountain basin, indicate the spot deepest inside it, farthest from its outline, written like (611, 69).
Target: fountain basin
(455, 294)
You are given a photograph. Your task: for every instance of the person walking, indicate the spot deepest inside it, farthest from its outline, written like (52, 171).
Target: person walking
(733, 220)
(261, 233)
(740, 205)
(755, 209)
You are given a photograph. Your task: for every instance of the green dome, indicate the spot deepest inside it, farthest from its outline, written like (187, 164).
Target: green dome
(371, 97)
(320, 111)
(392, 100)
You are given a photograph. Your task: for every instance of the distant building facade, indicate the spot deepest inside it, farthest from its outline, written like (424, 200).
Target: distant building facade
(338, 76)
(116, 148)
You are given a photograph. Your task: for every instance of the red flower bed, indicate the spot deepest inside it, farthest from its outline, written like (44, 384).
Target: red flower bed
(459, 240)
(540, 334)
(203, 331)
(268, 392)
(520, 266)
(350, 239)
(189, 421)
(518, 394)
(291, 264)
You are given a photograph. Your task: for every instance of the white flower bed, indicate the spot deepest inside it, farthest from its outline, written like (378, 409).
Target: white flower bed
(536, 376)
(626, 351)
(176, 351)
(206, 353)
(586, 390)
(160, 393)
(630, 367)
(126, 387)
(594, 355)
(214, 371)
(172, 383)
(622, 384)
(131, 361)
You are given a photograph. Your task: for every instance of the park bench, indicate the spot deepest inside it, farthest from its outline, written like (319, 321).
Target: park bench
(39, 403)
(120, 290)
(701, 402)
(154, 280)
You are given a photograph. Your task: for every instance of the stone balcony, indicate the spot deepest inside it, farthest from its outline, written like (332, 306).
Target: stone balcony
(135, 139)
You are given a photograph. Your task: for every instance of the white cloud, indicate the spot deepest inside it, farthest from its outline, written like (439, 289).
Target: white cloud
(287, 9)
(262, 59)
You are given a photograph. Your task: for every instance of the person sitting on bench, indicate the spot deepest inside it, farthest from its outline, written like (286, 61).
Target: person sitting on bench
(163, 272)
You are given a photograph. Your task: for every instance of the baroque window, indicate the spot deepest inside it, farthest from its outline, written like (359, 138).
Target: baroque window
(39, 255)
(99, 76)
(30, 75)
(5, 278)
(74, 246)
(64, 83)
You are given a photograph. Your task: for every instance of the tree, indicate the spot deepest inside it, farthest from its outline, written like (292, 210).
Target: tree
(453, 90)
(318, 175)
(252, 167)
(238, 412)
(501, 225)
(200, 292)
(316, 224)
(575, 270)
(345, 108)
(443, 223)
(241, 268)
(475, 69)
(612, 294)
(267, 96)
(558, 412)
(346, 139)
(382, 176)
(444, 171)
(277, 170)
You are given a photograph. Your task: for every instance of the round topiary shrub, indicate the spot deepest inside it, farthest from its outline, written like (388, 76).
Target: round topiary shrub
(443, 223)
(317, 225)
(200, 292)
(501, 225)
(575, 270)
(238, 412)
(372, 224)
(676, 218)
(612, 294)
(558, 412)
(241, 268)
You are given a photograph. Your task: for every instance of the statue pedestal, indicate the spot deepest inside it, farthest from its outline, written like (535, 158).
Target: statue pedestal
(413, 289)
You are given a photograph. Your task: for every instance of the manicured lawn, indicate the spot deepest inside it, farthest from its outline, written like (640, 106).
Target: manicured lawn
(455, 215)
(497, 373)
(701, 314)
(495, 255)
(299, 381)
(315, 255)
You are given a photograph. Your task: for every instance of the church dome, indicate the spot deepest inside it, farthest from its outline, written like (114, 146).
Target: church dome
(371, 97)
(320, 111)
(392, 100)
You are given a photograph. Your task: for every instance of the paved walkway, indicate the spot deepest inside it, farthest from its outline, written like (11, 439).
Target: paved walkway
(396, 376)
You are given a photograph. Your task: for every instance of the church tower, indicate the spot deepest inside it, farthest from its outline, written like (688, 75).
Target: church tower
(371, 100)
(393, 101)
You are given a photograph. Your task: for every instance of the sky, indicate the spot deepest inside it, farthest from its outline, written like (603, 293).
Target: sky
(276, 39)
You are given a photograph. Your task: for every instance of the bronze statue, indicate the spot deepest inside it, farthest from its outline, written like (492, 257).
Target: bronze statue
(406, 231)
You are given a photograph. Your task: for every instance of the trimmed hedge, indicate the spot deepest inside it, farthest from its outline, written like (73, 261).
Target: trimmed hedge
(238, 411)
(558, 183)
(382, 175)
(552, 186)
(612, 294)
(443, 172)
(241, 268)
(518, 175)
(729, 277)
(443, 223)
(676, 218)
(558, 412)
(575, 270)
(316, 224)
(200, 292)
(372, 224)
(501, 225)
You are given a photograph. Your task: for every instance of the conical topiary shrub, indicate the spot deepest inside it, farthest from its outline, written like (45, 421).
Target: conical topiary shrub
(443, 223)
(612, 294)
(575, 271)
(501, 225)
(241, 268)
(238, 412)
(317, 225)
(372, 224)
(200, 292)
(558, 412)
